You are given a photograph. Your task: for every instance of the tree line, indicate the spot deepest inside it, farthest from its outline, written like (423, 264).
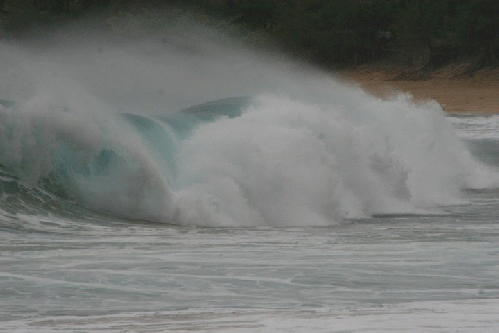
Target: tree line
(418, 33)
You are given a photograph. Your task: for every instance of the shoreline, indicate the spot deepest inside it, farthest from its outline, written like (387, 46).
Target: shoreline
(456, 91)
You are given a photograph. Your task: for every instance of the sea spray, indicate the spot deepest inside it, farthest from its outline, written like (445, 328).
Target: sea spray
(103, 121)
(302, 164)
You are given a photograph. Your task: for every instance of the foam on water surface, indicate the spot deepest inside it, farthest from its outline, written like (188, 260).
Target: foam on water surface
(464, 316)
(327, 209)
(301, 149)
(477, 127)
(414, 273)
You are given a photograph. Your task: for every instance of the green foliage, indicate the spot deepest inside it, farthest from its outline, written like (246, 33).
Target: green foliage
(423, 33)
(20, 14)
(477, 25)
(346, 32)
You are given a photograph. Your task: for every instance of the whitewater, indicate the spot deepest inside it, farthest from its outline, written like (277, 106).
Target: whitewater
(186, 183)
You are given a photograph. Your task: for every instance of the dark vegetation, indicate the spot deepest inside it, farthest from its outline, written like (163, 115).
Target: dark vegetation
(422, 34)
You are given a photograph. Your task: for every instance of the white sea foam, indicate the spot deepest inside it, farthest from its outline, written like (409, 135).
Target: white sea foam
(478, 127)
(469, 316)
(308, 150)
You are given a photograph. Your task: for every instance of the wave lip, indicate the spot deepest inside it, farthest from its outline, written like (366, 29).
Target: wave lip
(240, 162)
(300, 149)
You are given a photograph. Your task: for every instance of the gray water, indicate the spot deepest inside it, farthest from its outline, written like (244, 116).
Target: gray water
(314, 208)
(388, 272)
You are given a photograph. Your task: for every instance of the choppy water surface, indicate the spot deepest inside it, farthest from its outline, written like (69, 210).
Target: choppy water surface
(275, 200)
(106, 274)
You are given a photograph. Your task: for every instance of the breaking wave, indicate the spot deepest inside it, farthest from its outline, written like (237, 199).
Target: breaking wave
(267, 142)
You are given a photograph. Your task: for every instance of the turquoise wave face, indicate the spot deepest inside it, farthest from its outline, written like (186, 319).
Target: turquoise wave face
(162, 134)
(6, 103)
(247, 161)
(47, 168)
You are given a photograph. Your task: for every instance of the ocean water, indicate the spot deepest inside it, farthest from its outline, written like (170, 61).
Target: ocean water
(201, 187)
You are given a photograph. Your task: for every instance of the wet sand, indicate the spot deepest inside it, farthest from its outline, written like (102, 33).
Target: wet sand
(456, 93)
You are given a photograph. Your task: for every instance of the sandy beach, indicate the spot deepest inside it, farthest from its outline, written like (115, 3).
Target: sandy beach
(455, 91)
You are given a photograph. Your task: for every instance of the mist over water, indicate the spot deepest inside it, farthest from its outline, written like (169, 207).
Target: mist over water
(111, 122)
